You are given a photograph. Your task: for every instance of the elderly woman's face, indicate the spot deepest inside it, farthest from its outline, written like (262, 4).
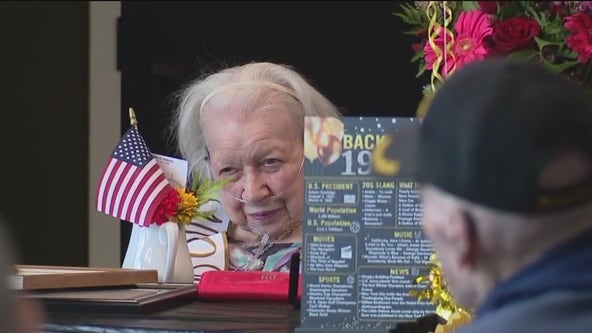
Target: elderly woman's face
(262, 153)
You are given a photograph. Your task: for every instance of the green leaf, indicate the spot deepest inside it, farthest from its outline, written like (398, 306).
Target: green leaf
(194, 183)
(422, 70)
(469, 5)
(208, 189)
(418, 55)
(553, 28)
(403, 16)
(415, 31)
(408, 8)
(569, 53)
(558, 68)
(410, 15)
(542, 43)
(522, 54)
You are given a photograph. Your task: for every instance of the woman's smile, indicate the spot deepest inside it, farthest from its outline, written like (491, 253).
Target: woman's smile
(265, 215)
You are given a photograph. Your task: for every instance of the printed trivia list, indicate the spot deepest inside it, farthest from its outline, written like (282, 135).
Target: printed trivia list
(363, 243)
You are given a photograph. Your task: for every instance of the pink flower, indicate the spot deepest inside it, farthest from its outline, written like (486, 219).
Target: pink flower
(472, 28)
(416, 46)
(580, 39)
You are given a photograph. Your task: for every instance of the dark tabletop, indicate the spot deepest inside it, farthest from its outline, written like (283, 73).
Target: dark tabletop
(185, 316)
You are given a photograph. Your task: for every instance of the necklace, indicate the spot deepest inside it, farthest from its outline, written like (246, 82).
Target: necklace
(288, 230)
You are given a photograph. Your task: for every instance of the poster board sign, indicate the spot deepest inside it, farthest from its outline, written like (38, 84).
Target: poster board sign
(363, 243)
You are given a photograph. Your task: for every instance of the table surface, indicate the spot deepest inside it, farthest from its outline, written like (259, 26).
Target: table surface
(186, 316)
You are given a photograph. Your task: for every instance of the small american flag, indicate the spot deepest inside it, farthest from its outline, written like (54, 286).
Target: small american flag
(132, 184)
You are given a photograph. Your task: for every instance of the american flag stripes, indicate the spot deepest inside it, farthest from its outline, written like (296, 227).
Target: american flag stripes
(132, 184)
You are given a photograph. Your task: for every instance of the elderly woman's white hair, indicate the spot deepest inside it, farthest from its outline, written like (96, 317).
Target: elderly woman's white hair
(279, 86)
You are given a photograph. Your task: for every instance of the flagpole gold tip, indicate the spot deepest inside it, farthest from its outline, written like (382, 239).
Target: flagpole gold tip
(132, 116)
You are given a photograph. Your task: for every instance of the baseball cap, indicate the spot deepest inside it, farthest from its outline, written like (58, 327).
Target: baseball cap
(492, 128)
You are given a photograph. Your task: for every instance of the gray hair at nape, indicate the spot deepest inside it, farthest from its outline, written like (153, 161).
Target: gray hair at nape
(244, 85)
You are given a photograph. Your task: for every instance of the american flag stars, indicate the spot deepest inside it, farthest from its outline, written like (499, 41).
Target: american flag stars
(132, 149)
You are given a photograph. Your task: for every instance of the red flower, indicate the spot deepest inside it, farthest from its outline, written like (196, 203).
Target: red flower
(167, 208)
(417, 46)
(580, 39)
(490, 7)
(514, 33)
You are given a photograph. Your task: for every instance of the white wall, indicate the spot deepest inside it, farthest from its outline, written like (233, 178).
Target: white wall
(104, 126)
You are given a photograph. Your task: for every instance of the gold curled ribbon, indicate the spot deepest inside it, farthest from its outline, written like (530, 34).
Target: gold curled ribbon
(380, 162)
(434, 29)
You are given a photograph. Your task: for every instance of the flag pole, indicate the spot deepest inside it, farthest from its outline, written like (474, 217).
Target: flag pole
(132, 116)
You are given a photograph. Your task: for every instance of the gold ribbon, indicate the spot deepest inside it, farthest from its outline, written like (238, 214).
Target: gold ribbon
(434, 29)
(381, 163)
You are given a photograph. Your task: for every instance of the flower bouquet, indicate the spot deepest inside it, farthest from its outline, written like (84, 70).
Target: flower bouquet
(451, 34)
(183, 205)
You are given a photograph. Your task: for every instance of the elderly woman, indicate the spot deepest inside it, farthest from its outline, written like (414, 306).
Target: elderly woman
(246, 123)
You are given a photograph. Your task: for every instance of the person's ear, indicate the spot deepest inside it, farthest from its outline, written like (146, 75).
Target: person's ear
(463, 238)
(470, 240)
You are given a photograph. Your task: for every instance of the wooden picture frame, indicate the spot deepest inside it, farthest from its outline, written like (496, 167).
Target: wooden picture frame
(36, 277)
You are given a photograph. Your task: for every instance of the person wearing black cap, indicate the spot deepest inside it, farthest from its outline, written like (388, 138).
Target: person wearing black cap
(504, 159)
